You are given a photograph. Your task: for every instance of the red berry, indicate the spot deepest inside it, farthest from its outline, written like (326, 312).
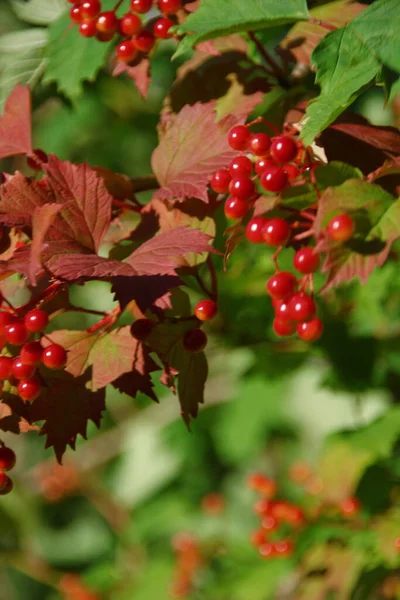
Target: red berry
(107, 22)
(259, 144)
(36, 320)
(235, 208)
(141, 6)
(276, 232)
(310, 331)
(301, 307)
(31, 353)
(282, 310)
(6, 363)
(220, 181)
(126, 51)
(144, 40)
(5, 319)
(283, 548)
(281, 285)
(90, 8)
(206, 310)
(7, 459)
(306, 260)
(21, 370)
(241, 166)
(105, 36)
(130, 24)
(54, 357)
(194, 341)
(262, 164)
(162, 28)
(341, 228)
(283, 149)
(75, 14)
(142, 328)
(254, 230)
(37, 159)
(258, 537)
(242, 187)
(350, 507)
(274, 179)
(16, 333)
(292, 172)
(169, 7)
(239, 137)
(283, 328)
(6, 484)
(29, 389)
(267, 550)
(88, 29)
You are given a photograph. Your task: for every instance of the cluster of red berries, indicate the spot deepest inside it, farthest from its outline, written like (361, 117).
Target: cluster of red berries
(274, 164)
(138, 38)
(21, 370)
(7, 462)
(188, 562)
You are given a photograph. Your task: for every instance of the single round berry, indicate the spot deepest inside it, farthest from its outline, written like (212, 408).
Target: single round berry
(276, 232)
(220, 181)
(267, 551)
(310, 331)
(281, 285)
(259, 144)
(292, 172)
(235, 208)
(241, 166)
(141, 6)
(274, 179)
(242, 187)
(130, 24)
(141, 328)
(29, 389)
(7, 459)
(6, 484)
(254, 230)
(169, 7)
(162, 28)
(88, 29)
(301, 307)
(206, 310)
(269, 524)
(306, 260)
(283, 548)
(16, 333)
(37, 159)
(126, 51)
(239, 137)
(5, 319)
(341, 228)
(90, 8)
(283, 149)
(144, 40)
(194, 341)
(6, 363)
(21, 370)
(262, 164)
(281, 310)
(31, 353)
(75, 14)
(105, 36)
(107, 22)
(350, 507)
(36, 320)
(54, 357)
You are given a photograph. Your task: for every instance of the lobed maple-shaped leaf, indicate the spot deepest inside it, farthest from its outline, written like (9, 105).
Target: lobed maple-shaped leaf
(147, 291)
(43, 217)
(15, 123)
(191, 148)
(66, 406)
(110, 354)
(139, 73)
(74, 266)
(138, 380)
(19, 197)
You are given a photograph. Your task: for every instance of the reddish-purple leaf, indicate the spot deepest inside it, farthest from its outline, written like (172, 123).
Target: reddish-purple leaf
(66, 406)
(263, 204)
(72, 267)
(139, 73)
(146, 290)
(18, 263)
(386, 139)
(19, 198)
(43, 217)
(15, 124)
(138, 380)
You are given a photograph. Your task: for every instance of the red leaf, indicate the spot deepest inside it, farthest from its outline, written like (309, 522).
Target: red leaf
(66, 406)
(19, 198)
(140, 74)
(384, 138)
(147, 290)
(138, 379)
(72, 267)
(193, 146)
(43, 217)
(15, 124)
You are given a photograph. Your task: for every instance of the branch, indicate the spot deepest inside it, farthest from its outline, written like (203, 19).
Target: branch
(323, 24)
(276, 69)
(144, 184)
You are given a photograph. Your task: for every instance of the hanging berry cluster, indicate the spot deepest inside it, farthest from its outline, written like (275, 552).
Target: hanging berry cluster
(138, 38)
(7, 462)
(188, 563)
(22, 356)
(272, 165)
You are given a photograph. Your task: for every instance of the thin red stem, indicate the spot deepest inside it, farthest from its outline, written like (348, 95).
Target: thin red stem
(122, 204)
(47, 294)
(267, 123)
(323, 24)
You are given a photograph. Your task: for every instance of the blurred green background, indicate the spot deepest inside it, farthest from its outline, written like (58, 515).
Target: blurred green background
(112, 514)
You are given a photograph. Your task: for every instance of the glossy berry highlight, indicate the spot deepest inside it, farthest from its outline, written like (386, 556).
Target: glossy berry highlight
(141, 6)
(254, 230)
(235, 208)
(242, 188)
(301, 307)
(126, 51)
(54, 357)
(20, 370)
(281, 285)
(283, 149)
(220, 181)
(310, 331)
(7, 458)
(241, 166)
(276, 232)
(130, 24)
(306, 260)
(259, 144)
(162, 28)
(36, 320)
(206, 310)
(341, 228)
(29, 389)
(274, 179)
(90, 8)
(107, 22)
(16, 333)
(169, 7)
(239, 137)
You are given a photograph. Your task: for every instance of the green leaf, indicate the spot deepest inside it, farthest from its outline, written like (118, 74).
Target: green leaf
(349, 59)
(213, 19)
(38, 12)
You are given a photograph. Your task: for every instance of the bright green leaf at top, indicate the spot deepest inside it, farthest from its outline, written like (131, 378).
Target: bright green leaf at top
(213, 19)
